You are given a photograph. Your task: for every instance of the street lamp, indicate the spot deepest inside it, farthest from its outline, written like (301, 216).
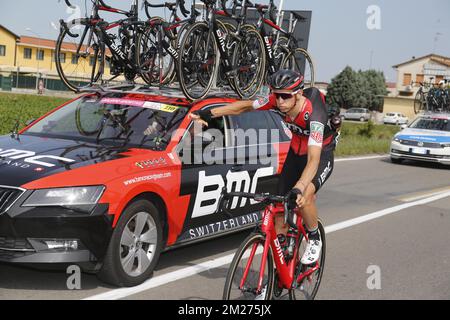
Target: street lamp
(37, 55)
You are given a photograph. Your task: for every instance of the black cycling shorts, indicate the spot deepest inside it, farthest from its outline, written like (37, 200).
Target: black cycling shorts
(294, 166)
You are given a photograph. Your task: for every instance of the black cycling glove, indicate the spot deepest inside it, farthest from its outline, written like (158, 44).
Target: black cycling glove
(292, 198)
(205, 115)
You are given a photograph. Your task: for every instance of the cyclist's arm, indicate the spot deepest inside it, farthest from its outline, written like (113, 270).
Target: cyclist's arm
(315, 142)
(234, 108)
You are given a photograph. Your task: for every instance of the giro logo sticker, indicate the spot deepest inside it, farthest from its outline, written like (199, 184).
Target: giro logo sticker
(160, 107)
(30, 157)
(210, 188)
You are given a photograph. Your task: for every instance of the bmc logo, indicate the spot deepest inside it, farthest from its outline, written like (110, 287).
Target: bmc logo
(206, 202)
(221, 37)
(268, 46)
(30, 157)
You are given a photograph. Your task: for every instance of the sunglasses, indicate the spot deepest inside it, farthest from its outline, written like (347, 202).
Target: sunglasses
(284, 96)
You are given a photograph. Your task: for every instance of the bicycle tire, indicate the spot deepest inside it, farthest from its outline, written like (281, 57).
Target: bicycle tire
(418, 102)
(251, 81)
(319, 273)
(76, 81)
(195, 68)
(253, 238)
(291, 62)
(151, 77)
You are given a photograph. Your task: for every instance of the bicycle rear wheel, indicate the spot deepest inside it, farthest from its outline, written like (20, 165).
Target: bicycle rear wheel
(299, 60)
(149, 56)
(233, 290)
(85, 66)
(308, 287)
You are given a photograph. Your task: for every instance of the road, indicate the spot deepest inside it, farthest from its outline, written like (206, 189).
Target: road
(394, 219)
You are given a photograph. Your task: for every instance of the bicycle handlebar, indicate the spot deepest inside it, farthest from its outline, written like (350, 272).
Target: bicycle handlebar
(259, 197)
(183, 9)
(69, 4)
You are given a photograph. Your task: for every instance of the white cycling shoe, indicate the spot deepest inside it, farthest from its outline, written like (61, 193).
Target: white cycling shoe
(312, 252)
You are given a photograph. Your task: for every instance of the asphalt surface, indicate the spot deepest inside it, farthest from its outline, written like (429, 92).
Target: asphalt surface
(408, 248)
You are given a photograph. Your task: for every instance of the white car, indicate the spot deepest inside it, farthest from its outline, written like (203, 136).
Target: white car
(395, 118)
(427, 138)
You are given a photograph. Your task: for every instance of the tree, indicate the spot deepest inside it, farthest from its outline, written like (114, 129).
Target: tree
(363, 89)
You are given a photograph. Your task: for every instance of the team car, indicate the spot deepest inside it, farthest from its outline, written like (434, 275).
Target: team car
(102, 181)
(427, 138)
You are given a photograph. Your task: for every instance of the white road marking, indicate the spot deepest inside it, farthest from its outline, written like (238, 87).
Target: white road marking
(361, 158)
(215, 263)
(421, 195)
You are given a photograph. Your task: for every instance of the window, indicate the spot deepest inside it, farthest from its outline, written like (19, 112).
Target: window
(27, 53)
(2, 50)
(62, 57)
(74, 59)
(40, 55)
(407, 79)
(419, 78)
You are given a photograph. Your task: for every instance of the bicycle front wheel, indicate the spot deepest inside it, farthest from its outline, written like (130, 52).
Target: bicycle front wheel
(197, 62)
(249, 62)
(299, 60)
(308, 287)
(249, 257)
(79, 55)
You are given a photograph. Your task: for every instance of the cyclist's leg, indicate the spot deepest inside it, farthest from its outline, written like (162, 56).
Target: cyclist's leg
(292, 170)
(309, 210)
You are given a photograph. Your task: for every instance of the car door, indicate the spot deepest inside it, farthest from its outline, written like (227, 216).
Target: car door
(234, 162)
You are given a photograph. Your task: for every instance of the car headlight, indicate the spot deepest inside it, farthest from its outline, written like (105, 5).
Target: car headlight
(397, 140)
(75, 196)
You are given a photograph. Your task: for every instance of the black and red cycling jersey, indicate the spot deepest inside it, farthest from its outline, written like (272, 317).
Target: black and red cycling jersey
(310, 127)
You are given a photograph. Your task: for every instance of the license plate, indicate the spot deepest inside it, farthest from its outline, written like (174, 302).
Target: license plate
(419, 151)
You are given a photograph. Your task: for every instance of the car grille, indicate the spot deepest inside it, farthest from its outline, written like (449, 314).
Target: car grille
(425, 144)
(7, 197)
(15, 244)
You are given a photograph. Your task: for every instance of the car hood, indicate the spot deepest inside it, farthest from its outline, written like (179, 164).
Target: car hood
(424, 135)
(30, 158)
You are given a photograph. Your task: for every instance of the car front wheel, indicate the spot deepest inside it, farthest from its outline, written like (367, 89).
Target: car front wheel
(135, 246)
(396, 160)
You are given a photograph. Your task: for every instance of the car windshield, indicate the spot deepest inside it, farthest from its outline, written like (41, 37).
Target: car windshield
(112, 121)
(431, 124)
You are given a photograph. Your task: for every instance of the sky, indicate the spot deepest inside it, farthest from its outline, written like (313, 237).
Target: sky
(363, 34)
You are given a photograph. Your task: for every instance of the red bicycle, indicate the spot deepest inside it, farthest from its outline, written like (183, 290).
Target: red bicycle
(260, 268)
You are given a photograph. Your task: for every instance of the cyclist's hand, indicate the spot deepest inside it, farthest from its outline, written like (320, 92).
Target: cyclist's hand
(201, 116)
(295, 198)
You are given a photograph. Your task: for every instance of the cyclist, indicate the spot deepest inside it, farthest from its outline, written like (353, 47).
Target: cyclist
(310, 159)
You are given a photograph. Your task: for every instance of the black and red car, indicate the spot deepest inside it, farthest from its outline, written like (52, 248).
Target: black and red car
(102, 181)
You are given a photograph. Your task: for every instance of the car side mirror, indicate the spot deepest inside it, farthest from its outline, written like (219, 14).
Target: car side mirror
(403, 126)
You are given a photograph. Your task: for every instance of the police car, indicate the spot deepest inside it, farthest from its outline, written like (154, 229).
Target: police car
(427, 138)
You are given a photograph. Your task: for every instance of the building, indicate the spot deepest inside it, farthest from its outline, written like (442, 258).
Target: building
(24, 60)
(431, 68)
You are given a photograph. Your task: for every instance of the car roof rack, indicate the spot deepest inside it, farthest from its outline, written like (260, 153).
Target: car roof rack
(168, 92)
(436, 113)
